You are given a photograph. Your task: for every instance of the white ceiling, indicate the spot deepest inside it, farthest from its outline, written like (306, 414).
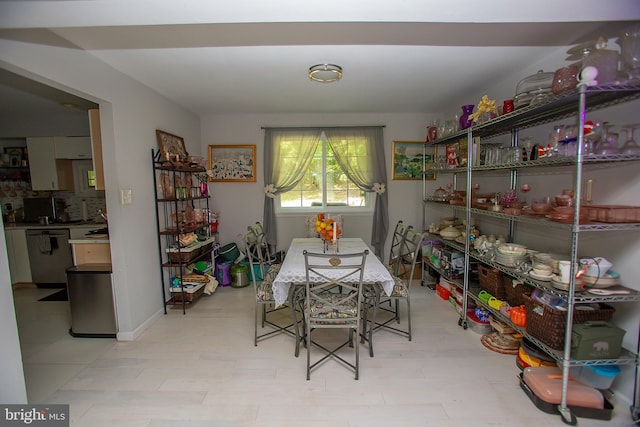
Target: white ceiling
(235, 59)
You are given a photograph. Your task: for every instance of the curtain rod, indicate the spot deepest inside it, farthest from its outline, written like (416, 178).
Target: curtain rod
(319, 127)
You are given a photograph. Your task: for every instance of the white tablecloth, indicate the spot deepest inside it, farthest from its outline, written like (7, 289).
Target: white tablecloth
(293, 271)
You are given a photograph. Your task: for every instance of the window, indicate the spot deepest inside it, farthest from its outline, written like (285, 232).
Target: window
(324, 184)
(91, 178)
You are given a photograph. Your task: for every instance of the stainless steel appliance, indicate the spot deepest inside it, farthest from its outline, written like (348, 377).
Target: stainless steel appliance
(37, 207)
(91, 301)
(49, 256)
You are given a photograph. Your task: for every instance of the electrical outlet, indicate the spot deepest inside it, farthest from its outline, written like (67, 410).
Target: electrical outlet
(126, 197)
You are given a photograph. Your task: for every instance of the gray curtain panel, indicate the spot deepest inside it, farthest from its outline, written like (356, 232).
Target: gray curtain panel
(360, 153)
(284, 173)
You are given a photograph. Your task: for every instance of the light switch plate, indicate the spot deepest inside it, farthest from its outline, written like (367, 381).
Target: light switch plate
(126, 197)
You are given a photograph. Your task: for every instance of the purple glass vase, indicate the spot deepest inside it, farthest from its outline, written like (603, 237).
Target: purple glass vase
(465, 122)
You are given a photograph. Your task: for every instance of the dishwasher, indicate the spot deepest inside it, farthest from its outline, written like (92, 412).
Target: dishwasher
(49, 256)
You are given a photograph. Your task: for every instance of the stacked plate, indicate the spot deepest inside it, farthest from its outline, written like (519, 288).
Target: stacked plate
(510, 254)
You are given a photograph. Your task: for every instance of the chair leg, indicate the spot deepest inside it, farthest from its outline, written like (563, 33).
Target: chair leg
(264, 313)
(308, 341)
(255, 325)
(409, 317)
(397, 311)
(295, 321)
(364, 321)
(357, 355)
(373, 324)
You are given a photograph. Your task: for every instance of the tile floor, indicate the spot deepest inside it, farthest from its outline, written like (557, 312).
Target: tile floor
(201, 369)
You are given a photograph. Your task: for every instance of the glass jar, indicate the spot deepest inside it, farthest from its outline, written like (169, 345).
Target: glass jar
(629, 42)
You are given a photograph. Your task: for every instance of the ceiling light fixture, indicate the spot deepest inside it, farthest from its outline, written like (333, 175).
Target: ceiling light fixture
(325, 73)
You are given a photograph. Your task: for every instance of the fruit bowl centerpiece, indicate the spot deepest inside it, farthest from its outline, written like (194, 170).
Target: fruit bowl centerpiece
(328, 230)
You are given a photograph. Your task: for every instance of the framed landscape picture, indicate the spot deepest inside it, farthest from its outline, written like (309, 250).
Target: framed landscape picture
(409, 160)
(232, 163)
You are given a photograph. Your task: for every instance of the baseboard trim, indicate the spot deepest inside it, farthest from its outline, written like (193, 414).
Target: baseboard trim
(132, 335)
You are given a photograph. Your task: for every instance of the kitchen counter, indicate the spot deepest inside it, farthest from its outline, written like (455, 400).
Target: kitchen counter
(73, 224)
(90, 250)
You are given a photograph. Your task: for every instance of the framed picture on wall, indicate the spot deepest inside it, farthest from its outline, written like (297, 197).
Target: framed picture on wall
(171, 147)
(409, 160)
(232, 163)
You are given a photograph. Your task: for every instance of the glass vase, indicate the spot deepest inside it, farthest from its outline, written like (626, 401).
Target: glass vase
(204, 189)
(465, 122)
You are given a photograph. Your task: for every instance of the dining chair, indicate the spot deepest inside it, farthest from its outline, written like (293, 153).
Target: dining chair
(262, 275)
(375, 298)
(396, 242)
(372, 290)
(333, 300)
(258, 230)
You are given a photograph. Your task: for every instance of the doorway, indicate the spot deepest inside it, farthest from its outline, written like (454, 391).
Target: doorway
(50, 356)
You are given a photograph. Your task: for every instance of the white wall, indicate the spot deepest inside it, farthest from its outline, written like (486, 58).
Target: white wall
(241, 204)
(130, 114)
(13, 388)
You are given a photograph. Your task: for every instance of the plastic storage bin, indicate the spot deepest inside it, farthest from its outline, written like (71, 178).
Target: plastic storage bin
(443, 292)
(546, 383)
(477, 326)
(598, 376)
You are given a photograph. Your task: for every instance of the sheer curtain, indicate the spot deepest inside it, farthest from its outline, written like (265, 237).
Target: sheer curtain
(281, 174)
(360, 153)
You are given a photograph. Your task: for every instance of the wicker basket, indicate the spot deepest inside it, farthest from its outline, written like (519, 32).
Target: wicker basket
(491, 281)
(184, 256)
(548, 325)
(514, 291)
(190, 295)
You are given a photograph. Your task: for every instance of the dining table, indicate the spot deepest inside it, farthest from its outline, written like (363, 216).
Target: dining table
(292, 271)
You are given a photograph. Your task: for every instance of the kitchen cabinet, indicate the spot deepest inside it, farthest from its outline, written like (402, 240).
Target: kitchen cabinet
(72, 147)
(184, 234)
(82, 183)
(18, 254)
(96, 147)
(47, 172)
(571, 104)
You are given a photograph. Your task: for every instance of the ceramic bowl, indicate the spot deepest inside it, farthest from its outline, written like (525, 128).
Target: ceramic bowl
(540, 206)
(511, 249)
(449, 220)
(563, 210)
(512, 211)
(515, 205)
(449, 232)
(542, 269)
(563, 200)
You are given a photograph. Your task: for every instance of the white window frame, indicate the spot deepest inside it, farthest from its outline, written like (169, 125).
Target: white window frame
(369, 208)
